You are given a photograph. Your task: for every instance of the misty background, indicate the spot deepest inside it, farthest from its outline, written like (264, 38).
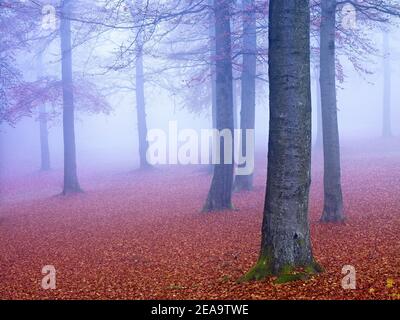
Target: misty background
(109, 141)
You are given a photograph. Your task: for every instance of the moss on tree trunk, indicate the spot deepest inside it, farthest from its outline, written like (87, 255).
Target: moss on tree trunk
(286, 244)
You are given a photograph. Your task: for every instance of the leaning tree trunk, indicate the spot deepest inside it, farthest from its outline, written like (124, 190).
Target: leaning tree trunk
(387, 88)
(286, 244)
(43, 130)
(220, 194)
(71, 183)
(248, 93)
(333, 201)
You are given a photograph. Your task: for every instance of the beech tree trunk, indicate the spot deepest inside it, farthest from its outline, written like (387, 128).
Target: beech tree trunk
(43, 130)
(44, 140)
(235, 103)
(220, 194)
(286, 243)
(71, 184)
(140, 81)
(141, 110)
(248, 83)
(387, 88)
(319, 140)
(333, 201)
(213, 77)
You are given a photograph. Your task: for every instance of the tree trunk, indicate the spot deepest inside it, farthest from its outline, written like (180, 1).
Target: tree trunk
(140, 109)
(213, 78)
(220, 194)
(319, 141)
(44, 134)
(235, 103)
(44, 140)
(71, 184)
(286, 244)
(213, 69)
(387, 88)
(333, 201)
(140, 80)
(248, 82)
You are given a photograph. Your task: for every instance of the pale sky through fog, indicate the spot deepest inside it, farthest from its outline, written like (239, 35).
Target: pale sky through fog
(111, 141)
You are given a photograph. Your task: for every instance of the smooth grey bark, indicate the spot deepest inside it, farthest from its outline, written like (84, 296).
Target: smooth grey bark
(213, 76)
(333, 199)
(387, 88)
(235, 103)
(43, 129)
(319, 139)
(141, 109)
(44, 140)
(248, 90)
(211, 34)
(220, 193)
(71, 184)
(140, 97)
(286, 243)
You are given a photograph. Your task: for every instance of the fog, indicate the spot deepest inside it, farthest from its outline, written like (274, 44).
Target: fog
(103, 102)
(109, 141)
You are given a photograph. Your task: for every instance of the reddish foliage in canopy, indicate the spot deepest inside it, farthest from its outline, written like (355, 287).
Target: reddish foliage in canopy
(20, 32)
(26, 97)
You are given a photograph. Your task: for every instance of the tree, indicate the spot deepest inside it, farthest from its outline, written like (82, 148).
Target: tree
(333, 199)
(220, 194)
(387, 90)
(212, 65)
(319, 139)
(286, 243)
(370, 12)
(44, 134)
(248, 83)
(17, 25)
(140, 81)
(71, 184)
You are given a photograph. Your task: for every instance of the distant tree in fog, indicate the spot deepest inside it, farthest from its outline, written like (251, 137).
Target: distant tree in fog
(248, 86)
(137, 9)
(191, 54)
(24, 34)
(43, 124)
(387, 87)
(71, 183)
(333, 199)
(369, 11)
(220, 193)
(16, 26)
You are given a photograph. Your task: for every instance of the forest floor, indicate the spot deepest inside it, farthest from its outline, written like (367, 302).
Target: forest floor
(141, 235)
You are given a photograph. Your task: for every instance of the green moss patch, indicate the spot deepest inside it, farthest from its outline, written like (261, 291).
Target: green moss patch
(260, 271)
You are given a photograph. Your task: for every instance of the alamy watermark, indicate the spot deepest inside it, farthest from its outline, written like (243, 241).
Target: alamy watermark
(49, 279)
(349, 280)
(210, 146)
(349, 15)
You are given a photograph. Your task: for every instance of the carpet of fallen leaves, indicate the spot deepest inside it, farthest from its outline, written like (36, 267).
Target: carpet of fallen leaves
(141, 235)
